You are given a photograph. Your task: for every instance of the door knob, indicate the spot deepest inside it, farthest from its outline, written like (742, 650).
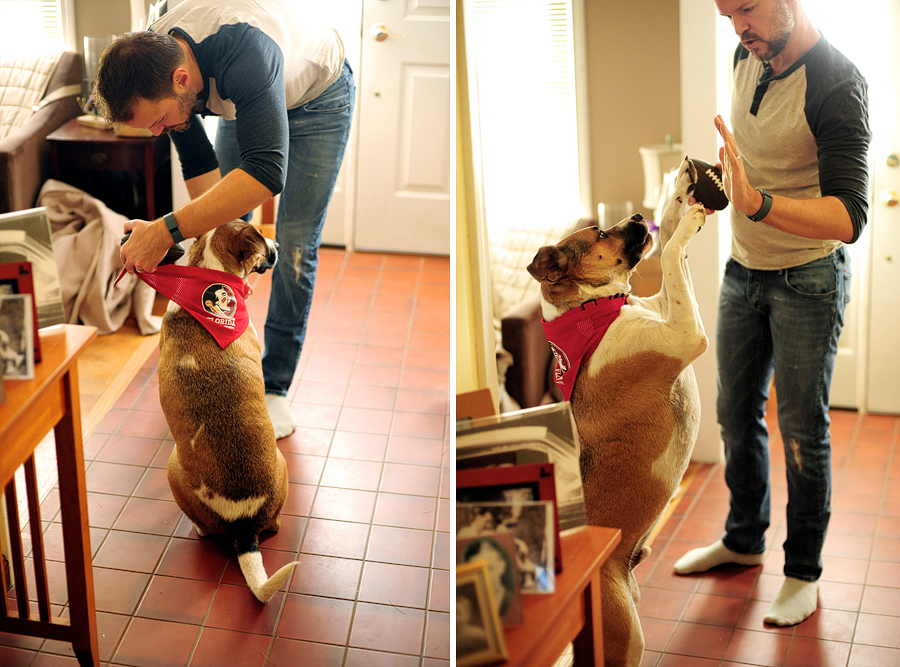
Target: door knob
(893, 160)
(381, 32)
(890, 197)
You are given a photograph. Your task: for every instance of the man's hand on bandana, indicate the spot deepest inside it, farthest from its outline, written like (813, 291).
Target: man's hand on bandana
(147, 245)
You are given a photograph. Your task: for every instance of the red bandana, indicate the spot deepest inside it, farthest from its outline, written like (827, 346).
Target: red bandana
(214, 298)
(576, 334)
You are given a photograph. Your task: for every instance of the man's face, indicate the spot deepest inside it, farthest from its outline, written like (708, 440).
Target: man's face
(165, 115)
(764, 26)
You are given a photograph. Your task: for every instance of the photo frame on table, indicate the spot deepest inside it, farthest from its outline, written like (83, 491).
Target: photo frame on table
(25, 236)
(545, 434)
(532, 481)
(17, 278)
(530, 523)
(498, 551)
(16, 337)
(479, 634)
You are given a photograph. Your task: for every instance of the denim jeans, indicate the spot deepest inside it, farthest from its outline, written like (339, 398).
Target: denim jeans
(788, 323)
(318, 136)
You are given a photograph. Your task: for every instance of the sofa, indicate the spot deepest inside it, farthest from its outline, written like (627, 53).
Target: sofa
(37, 96)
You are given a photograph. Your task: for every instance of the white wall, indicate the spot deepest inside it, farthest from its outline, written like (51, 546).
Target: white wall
(699, 138)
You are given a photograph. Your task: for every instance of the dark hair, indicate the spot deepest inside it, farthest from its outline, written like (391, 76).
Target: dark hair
(137, 65)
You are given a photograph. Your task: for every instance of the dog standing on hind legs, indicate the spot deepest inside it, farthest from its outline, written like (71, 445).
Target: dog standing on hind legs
(635, 402)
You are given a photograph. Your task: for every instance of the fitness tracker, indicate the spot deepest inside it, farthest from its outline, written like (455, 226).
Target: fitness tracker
(178, 237)
(764, 209)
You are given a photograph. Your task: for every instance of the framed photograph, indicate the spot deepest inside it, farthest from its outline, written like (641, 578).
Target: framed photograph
(16, 278)
(16, 337)
(533, 481)
(545, 434)
(25, 236)
(479, 635)
(498, 551)
(531, 525)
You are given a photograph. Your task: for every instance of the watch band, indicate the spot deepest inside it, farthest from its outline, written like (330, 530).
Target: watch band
(764, 209)
(172, 226)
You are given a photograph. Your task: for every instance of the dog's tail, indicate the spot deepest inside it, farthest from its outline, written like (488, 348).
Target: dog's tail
(250, 560)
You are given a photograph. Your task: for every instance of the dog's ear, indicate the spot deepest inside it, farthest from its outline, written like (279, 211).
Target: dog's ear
(550, 264)
(252, 250)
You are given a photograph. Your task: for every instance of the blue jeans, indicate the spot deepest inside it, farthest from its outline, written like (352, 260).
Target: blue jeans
(318, 135)
(787, 322)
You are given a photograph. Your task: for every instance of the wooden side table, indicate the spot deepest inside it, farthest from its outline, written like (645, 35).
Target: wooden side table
(573, 613)
(84, 156)
(32, 408)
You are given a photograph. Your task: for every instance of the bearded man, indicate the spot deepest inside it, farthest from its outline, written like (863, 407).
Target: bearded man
(796, 174)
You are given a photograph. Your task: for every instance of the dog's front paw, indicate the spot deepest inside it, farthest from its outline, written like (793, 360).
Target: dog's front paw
(691, 223)
(685, 182)
(694, 219)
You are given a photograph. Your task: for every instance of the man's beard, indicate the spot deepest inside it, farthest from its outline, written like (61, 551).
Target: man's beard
(783, 26)
(186, 105)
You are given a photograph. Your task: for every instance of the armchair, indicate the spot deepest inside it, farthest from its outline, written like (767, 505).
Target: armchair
(49, 83)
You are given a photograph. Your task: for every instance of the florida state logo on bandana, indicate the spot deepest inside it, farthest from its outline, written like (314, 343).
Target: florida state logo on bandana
(562, 362)
(219, 301)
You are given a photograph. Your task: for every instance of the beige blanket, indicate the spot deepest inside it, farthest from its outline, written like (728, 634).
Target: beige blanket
(86, 241)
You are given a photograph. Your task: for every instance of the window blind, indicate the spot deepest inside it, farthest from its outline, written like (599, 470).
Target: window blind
(30, 26)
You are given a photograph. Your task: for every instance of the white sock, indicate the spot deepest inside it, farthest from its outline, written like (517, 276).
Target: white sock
(705, 558)
(794, 603)
(283, 420)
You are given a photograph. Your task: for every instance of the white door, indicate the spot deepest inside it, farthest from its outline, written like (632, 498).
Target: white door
(346, 18)
(404, 147)
(884, 302)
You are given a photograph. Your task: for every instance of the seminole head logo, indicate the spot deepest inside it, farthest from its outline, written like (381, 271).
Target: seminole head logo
(219, 301)
(562, 362)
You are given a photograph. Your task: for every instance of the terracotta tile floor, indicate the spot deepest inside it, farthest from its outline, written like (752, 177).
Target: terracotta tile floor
(367, 512)
(715, 618)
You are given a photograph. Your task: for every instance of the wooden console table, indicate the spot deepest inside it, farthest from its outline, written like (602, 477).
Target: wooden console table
(572, 614)
(32, 408)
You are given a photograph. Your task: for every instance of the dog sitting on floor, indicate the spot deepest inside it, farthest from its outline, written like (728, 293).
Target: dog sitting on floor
(226, 472)
(633, 393)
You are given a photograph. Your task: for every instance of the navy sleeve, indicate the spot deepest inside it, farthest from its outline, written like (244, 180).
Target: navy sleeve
(194, 150)
(838, 115)
(249, 71)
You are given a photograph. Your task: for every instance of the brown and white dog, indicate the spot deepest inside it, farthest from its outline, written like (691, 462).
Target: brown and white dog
(635, 401)
(226, 472)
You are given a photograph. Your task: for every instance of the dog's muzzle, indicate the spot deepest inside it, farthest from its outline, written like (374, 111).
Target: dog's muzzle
(271, 257)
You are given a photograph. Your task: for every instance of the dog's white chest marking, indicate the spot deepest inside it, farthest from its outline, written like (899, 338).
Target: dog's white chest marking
(230, 510)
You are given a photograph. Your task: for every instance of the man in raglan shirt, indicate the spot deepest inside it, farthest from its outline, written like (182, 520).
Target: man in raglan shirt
(285, 84)
(795, 171)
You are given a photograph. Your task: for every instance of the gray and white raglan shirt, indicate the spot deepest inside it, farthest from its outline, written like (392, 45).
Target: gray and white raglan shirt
(257, 59)
(802, 134)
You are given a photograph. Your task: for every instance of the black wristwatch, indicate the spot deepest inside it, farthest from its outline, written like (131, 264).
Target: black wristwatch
(172, 226)
(764, 209)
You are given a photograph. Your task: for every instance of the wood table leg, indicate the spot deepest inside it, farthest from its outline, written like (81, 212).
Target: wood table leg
(76, 533)
(588, 644)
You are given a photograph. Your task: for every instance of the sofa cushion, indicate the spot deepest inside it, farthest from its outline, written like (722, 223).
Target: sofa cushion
(23, 83)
